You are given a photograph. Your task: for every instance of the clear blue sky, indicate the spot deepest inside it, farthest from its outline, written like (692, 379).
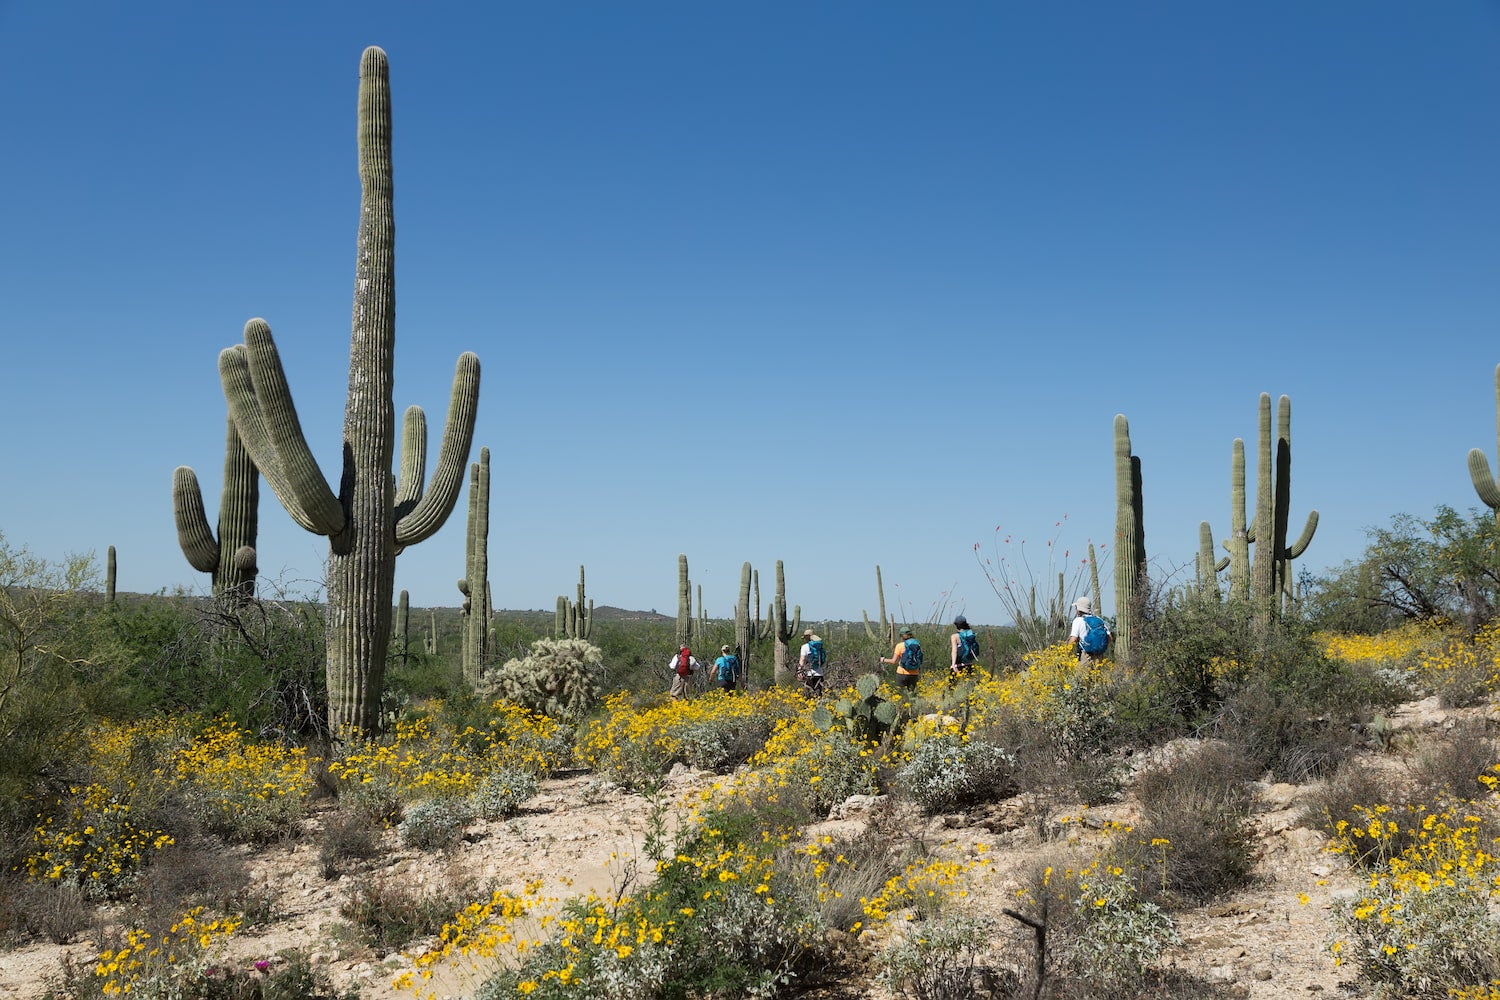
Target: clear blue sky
(834, 283)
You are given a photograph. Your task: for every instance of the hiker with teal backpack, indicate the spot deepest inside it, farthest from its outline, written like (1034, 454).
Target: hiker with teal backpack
(907, 659)
(1090, 634)
(812, 661)
(726, 669)
(965, 647)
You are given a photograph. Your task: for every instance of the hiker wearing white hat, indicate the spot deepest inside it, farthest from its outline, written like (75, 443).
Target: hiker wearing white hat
(1090, 634)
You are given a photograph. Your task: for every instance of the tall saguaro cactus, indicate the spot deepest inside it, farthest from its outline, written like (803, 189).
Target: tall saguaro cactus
(1130, 539)
(742, 623)
(887, 631)
(1238, 542)
(1479, 467)
(109, 577)
(783, 629)
(368, 520)
(684, 602)
(231, 556)
(476, 583)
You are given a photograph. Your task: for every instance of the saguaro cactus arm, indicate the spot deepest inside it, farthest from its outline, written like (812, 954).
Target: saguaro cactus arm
(448, 476)
(409, 483)
(193, 531)
(1479, 466)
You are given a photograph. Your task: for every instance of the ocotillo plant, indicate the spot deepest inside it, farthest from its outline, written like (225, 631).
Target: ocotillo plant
(230, 557)
(1130, 539)
(887, 631)
(684, 632)
(109, 578)
(782, 630)
(477, 564)
(1479, 467)
(367, 522)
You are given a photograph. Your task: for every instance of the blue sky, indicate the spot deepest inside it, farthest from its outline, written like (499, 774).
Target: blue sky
(841, 284)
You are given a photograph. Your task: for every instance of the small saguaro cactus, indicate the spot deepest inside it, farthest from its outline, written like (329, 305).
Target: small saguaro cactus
(1094, 577)
(742, 624)
(1130, 539)
(109, 577)
(403, 627)
(887, 631)
(1208, 565)
(1479, 467)
(230, 557)
(369, 520)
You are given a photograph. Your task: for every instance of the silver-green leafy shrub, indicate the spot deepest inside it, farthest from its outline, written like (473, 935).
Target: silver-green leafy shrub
(1112, 934)
(948, 772)
(434, 823)
(936, 959)
(560, 678)
(502, 792)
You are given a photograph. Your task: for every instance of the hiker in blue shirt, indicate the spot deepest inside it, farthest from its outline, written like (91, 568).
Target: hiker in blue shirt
(1090, 635)
(726, 668)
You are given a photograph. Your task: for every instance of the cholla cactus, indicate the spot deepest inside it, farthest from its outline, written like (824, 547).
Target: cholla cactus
(561, 678)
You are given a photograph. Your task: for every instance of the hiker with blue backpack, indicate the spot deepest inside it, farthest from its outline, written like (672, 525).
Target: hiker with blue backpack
(1090, 633)
(812, 661)
(726, 669)
(907, 659)
(965, 647)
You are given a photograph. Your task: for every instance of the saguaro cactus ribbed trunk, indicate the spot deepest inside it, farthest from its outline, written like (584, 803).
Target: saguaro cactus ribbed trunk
(887, 627)
(783, 629)
(684, 602)
(1130, 540)
(477, 565)
(231, 556)
(370, 519)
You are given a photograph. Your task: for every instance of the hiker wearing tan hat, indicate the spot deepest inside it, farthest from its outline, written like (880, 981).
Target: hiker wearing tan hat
(811, 662)
(1090, 634)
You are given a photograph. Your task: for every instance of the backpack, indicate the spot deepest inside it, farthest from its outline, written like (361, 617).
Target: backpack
(729, 665)
(816, 655)
(684, 662)
(1097, 637)
(911, 656)
(968, 646)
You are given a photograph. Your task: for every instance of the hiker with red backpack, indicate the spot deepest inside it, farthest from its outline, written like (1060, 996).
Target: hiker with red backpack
(683, 666)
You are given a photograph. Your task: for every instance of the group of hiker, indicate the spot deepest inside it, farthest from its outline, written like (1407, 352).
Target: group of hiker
(1089, 637)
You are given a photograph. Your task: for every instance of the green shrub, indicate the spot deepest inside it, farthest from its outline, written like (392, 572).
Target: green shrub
(389, 914)
(1195, 839)
(434, 824)
(947, 772)
(501, 793)
(1443, 938)
(937, 959)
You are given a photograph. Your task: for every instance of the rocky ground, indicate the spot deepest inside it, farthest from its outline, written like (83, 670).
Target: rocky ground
(1260, 942)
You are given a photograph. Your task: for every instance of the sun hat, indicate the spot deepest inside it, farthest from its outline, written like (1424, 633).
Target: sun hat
(960, 622)
(807, 633)
(723, 649)
(906, 630)
(1083, 604)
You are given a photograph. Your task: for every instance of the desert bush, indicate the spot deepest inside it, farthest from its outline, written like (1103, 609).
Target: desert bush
(243, 790)
(1282, 733)
(1103, 934)
(560, 678)
(349, 834)
(388, 913)
(55, 912)
(192, 871)
(502, 792)
(722, 743)
(1343, 794)
(947, 772)
(434, 824)
(1449, 766)
(1194, 825)
(938, 959)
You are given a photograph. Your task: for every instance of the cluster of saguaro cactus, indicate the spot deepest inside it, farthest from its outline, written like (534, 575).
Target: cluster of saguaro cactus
(574, 620)
(1130, 539)
(230, 556)
(1479, 467)
(1263, 576)
(781, 629)
(869, 717)
(887, 631)
(367, 521)
(475, 586)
